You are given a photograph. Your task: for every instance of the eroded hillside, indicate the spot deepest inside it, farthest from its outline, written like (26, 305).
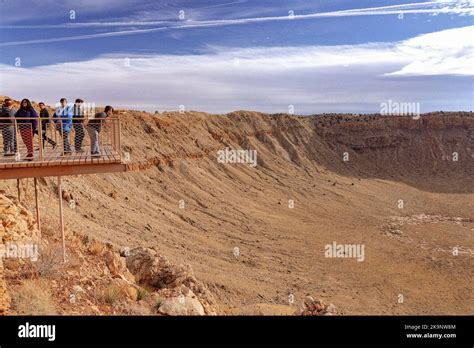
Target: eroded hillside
(256, 236)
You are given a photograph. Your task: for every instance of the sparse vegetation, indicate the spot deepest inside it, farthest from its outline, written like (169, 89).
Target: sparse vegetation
(158, 302)
(50, 263)
(142, 294)
(33, 298)
(96, 248)
(111, 294)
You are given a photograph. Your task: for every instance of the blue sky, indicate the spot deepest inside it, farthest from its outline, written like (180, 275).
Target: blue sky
(219, 56)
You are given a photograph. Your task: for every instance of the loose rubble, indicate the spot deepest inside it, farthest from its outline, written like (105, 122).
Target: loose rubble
(96, 279)
(313, 306)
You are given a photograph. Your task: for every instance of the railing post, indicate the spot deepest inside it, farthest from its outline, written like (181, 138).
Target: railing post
(62, 136)
(114, 135)
(99, 135)
(15, 141)
(40, 136)
(119, 148)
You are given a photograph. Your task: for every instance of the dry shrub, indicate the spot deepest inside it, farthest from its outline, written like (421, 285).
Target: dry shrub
(33, 298)
(49, 227)
(96, 248)
(111, 294)
(142, 294)
(50, 263)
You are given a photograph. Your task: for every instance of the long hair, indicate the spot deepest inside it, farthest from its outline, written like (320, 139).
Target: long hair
(28, 104)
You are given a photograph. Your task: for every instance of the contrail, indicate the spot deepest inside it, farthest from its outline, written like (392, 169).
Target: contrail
(226, 4)
(81, 25)
(373, 11)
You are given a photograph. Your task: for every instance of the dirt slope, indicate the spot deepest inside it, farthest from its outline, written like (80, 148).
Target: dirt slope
(408, 251)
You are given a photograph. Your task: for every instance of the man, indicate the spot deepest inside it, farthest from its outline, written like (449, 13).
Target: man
(7, 128)
(94, 127)
(63, 119)
(77, 123)
(44, 117)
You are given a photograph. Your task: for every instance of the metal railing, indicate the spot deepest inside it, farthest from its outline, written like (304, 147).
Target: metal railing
(35, 139)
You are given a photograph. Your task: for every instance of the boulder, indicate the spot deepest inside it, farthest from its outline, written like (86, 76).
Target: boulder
(155, 270)
(182, 305)
(152, 269)
(313, 306)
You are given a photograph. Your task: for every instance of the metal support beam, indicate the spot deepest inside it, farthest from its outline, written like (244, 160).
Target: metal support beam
(61, 217)
(38, 216)
(18, 188)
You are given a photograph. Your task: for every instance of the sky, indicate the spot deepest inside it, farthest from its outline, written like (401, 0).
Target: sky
(274, 56)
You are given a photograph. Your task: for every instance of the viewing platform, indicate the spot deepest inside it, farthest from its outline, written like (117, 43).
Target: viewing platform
(52, 151)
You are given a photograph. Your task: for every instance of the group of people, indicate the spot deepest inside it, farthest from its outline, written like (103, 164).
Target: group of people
(65, 118)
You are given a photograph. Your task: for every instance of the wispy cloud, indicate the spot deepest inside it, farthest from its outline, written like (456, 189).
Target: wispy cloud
(432, 7)
(352, 78)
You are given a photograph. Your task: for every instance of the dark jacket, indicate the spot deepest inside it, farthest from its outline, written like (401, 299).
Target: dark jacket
(27, 117)
(97, 121)
(77, 114)
(7, 113)
(44, 115)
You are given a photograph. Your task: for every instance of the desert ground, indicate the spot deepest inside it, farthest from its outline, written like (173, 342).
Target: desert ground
(256, 236)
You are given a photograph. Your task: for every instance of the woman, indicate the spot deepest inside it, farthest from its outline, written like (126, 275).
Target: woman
(27, 123)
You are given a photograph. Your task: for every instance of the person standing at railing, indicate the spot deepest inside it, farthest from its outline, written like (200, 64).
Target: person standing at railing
(45, 120)
(77, 123)
(63, 119)
(27, 121)
(7, 128)
(95, 126)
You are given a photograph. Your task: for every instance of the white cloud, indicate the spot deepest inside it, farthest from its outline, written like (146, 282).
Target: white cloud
(353, 78)
(440, 53)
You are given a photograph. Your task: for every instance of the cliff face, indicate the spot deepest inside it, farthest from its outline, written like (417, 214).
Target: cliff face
(438, 145)
(256, 235)
(424, 153)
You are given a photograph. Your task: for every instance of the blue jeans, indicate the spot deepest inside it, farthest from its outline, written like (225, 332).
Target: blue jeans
(9, 138)
(66, 146)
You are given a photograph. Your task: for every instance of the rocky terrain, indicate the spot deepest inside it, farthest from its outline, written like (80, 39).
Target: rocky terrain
(96, 279)
(251, 240)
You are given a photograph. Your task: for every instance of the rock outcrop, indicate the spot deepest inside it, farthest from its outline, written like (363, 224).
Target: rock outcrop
(313, 306)
(17, 227)
(182, 305)
(152, 269)
(16, 222)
